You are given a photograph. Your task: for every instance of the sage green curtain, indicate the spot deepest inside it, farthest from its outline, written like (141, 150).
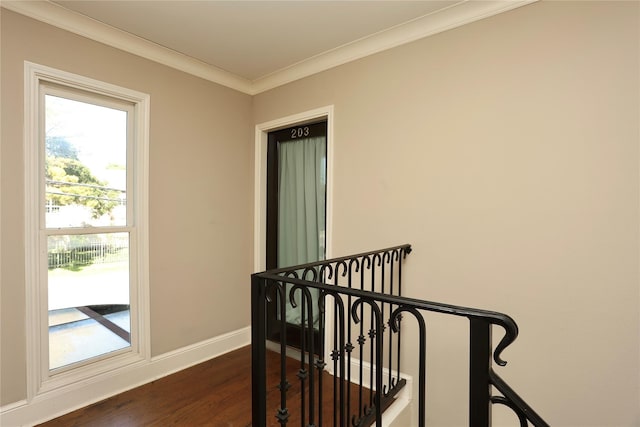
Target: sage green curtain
(301, 206)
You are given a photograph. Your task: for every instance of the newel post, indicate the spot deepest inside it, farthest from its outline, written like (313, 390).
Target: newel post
(258, 352)
(479, 368)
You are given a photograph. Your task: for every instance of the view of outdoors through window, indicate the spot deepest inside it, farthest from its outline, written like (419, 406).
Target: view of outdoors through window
(85, 225)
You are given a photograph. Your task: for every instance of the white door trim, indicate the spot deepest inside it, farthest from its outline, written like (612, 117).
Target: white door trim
(260, 193)
(260, 179)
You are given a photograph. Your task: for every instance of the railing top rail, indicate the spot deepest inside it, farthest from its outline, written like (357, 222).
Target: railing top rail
(493, 317)
(268, 283)
(406, 249)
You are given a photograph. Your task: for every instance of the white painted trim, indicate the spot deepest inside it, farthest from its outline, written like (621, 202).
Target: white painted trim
(31, 224)
(39, 379)
(403, 398)
(457, 15)
(401, 404)
(260, 197)
(58, 16)
(260, 177)
(366, 373)
(1, 192)
(61, 401)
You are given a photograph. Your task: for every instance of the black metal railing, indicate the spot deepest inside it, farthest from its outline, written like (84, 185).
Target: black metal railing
(361, 295)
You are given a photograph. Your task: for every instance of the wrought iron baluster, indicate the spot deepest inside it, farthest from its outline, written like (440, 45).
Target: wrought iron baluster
(379, 298)
(422, 369)
(307, 300)
(399, 335)
(349, 346)
(378, 354)
(311, 353)
(258, 350)
(393, 381)
(372, 331)
(384, 259)
(320, 363)
(302, 371)
(365, 263)
(344, 414)
(337, 355)
(283, 412)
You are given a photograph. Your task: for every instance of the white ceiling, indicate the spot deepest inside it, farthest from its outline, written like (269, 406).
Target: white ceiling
(256, 45)
(254, 38)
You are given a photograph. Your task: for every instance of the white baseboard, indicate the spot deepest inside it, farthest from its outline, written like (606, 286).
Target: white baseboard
(400, 409)
(55, 403)
(399, 413)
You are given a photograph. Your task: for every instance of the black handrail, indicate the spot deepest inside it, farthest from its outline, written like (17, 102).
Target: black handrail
(405, 249)
(482, 376)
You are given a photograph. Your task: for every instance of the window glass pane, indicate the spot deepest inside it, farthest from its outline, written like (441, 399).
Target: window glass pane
(85, 164)
(88, 294)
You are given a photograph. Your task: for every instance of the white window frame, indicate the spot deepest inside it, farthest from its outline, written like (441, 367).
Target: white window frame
(39, 378)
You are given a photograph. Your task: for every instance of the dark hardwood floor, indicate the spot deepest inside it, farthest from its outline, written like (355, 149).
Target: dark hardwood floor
(213, 393)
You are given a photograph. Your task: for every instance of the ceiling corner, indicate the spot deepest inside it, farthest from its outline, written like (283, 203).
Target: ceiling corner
(461, 13)
(55, 15)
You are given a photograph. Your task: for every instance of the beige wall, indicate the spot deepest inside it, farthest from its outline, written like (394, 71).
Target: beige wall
(200, 191)
(506, 152)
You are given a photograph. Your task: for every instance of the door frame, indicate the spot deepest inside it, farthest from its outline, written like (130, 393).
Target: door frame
(260, 191)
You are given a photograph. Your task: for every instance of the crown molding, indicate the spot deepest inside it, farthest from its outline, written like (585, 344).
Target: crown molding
(459, 14)
(58, 16)
(456, 15)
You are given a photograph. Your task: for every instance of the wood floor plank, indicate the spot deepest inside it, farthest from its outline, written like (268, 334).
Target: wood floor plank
(215, 393)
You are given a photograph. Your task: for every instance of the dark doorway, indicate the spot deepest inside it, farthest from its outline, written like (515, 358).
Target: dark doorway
(296, 213)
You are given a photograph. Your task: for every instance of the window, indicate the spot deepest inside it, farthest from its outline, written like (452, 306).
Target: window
(86, 179)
